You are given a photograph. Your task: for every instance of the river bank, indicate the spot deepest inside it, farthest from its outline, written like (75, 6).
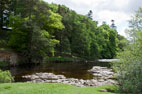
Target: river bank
(46, 88)
(11, 58)
(64, 70)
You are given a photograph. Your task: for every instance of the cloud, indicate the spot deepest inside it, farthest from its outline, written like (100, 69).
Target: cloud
(105, 10)
(107, 15)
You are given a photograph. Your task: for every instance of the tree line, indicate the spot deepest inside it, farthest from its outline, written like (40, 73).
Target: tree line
(35, 29)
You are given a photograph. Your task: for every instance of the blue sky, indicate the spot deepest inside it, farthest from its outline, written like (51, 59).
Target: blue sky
(105, 10)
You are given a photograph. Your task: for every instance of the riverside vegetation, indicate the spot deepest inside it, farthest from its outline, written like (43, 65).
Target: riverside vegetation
(130, 66)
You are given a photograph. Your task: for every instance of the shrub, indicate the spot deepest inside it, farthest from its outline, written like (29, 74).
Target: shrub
(130, 72)
(129, 68)
(5, 77)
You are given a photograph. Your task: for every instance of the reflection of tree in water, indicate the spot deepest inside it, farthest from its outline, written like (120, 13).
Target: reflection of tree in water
(70, 70)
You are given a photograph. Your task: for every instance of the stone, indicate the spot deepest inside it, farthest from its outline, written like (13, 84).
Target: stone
(82, 81)
(61, 77)
(102, 76)
(101, 80)
(34, 77)
(103, 90)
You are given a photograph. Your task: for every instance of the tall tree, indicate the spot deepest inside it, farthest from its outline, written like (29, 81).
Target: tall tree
(90, 14)
(33, 26)
(130, 66)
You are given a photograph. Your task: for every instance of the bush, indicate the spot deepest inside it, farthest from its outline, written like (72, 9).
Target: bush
(130, 72)
(129, 68)
(5, 77)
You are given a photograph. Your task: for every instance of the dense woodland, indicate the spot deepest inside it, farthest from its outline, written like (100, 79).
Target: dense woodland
(35, 29)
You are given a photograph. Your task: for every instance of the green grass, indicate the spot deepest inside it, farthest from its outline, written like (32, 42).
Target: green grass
(48, 88)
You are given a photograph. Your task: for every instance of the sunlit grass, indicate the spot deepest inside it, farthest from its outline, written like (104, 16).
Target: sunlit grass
(46, 88)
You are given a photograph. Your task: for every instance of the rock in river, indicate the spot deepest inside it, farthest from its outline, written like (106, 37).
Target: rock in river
(102, 76)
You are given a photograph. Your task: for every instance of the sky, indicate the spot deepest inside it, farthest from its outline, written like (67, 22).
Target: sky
(105, 10)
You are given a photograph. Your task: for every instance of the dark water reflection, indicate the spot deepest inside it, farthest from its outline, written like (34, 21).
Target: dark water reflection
(69, 69)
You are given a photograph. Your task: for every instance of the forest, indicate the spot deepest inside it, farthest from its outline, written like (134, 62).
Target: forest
(35, 29)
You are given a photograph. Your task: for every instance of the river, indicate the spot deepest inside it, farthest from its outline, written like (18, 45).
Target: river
(78, 70)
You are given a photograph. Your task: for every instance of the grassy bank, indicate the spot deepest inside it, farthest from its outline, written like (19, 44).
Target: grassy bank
(46, 88)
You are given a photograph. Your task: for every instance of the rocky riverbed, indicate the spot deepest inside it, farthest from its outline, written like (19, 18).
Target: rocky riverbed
(102, 76)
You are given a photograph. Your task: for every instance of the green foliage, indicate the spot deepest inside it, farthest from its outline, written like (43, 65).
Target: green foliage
(130, 71)
(3, 64)
(32, 31)
(84, 38)
(129, 68)
(26, 39)
(40, 29)
(46, 88)
(122, 43)
(3, 43)
(18, 37)
(5, 77)
(53, 7)
(59, 58)
(80, 37)
(51, 21)
(107, 40)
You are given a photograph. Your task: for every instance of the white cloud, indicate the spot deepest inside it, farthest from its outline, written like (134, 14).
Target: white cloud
(105, 10)
(107, 15)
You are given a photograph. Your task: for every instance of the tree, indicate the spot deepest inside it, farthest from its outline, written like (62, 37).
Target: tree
(33, 28)
(122, 42)
(107, 40)
(80, 36)
(94, 47)
(58, 30)
(95, 42)
(130, 66)
(113, 25)
(90, 15)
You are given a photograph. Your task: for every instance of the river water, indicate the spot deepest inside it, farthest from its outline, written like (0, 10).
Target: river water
(77, 70)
